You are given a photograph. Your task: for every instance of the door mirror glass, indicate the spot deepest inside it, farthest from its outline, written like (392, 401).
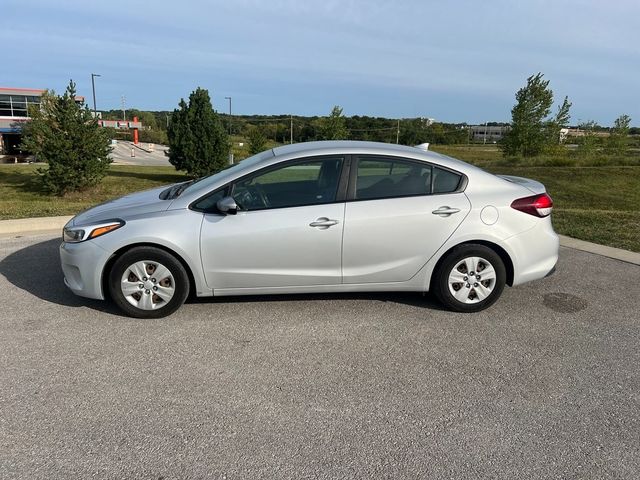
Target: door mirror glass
(227, 205)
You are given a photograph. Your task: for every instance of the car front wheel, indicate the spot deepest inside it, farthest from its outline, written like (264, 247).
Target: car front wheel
(147, 282)
(471, 278)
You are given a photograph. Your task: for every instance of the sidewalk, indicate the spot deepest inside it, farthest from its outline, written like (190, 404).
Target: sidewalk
(32, 226)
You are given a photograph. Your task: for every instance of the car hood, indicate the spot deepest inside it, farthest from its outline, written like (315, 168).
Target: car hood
(125, 207)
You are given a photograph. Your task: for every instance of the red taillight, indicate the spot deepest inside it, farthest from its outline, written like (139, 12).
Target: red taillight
(537, 205)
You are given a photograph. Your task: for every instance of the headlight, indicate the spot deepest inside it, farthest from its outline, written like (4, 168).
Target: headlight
(87, 232)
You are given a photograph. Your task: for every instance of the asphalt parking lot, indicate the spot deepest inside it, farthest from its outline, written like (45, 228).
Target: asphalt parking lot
(545, 384)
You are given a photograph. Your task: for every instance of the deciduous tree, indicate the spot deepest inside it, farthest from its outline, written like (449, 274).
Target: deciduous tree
(588, 141)
(256, 140)
(334, 127)
(531, 131)
(619, 136)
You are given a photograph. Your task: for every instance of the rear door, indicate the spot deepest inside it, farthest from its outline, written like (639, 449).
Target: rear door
(399, 213)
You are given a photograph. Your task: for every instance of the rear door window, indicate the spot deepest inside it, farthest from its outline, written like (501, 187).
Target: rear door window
(385, 178)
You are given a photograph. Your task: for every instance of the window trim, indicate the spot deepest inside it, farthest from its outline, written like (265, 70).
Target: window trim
(351, 195)
(214, 210)
(341, 192)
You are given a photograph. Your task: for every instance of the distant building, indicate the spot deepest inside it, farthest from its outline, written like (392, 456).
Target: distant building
(578, 132)
(487, 133)
(14, 112)
(14, 108)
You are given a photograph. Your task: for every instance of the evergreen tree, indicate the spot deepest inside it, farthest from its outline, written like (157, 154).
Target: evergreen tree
(197, 141)
(63, 133)
(334, 127)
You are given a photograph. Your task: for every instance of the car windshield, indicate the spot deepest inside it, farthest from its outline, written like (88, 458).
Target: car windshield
(206, 182)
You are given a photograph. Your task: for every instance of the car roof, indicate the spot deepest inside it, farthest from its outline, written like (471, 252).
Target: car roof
(330, 147)
(339, 145)
(327, 147)
(351, 145)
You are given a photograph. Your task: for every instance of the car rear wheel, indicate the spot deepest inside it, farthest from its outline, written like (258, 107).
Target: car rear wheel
(471, 278)
(147, 282)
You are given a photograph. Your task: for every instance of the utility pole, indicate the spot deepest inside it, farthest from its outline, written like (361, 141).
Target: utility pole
(398, 133)
(291, 119)
(93, 87)
(124, 110)
(229, 98)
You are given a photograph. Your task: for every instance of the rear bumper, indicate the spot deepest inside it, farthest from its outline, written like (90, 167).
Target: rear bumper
(82, 265)
(534, 253)
(551, 272)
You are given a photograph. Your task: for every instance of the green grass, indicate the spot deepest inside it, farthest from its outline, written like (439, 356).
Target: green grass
(490, 155)
(595, 203)
(21, 197)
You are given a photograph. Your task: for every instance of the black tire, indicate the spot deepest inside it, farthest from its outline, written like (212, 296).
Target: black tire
(179, 280)
(440, 278)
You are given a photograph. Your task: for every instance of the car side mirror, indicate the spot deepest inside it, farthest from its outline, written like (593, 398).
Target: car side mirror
(227, 205)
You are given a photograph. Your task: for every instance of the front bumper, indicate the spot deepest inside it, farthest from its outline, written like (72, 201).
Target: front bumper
(82, 264)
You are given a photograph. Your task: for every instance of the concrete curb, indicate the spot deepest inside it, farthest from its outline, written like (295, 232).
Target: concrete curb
(32, 226)
(24, 226)
(611, 252)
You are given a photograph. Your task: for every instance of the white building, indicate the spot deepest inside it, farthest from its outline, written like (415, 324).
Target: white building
(487, 133)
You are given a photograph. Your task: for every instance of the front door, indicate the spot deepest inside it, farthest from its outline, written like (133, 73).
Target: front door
(287, 233)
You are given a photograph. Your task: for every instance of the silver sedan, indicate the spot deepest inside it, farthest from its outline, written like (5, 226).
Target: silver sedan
(316, 217)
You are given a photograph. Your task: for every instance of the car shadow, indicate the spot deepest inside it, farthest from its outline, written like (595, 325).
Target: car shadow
(36, 270)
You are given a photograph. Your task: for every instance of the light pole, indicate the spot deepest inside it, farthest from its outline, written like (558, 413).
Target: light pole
(93, 87)
(230, 142)
(229, 98)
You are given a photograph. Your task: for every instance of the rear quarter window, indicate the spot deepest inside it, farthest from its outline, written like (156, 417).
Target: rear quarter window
(445, 181)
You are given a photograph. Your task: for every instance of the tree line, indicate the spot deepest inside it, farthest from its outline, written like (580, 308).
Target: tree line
(64, 134)
(308, 128)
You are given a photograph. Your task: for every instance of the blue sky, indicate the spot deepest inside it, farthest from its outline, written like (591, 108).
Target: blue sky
(451, 60)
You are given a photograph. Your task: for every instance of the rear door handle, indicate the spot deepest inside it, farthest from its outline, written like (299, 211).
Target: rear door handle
(445, 211)
(323, 223)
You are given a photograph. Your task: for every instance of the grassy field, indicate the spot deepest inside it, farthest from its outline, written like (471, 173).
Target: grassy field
(20, 196)
(597, 203)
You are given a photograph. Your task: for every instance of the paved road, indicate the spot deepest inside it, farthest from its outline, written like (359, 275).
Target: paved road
(546, 384)
(121, 155)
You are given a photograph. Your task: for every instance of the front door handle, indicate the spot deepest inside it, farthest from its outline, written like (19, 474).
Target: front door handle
(445, 211)
(323, 223)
